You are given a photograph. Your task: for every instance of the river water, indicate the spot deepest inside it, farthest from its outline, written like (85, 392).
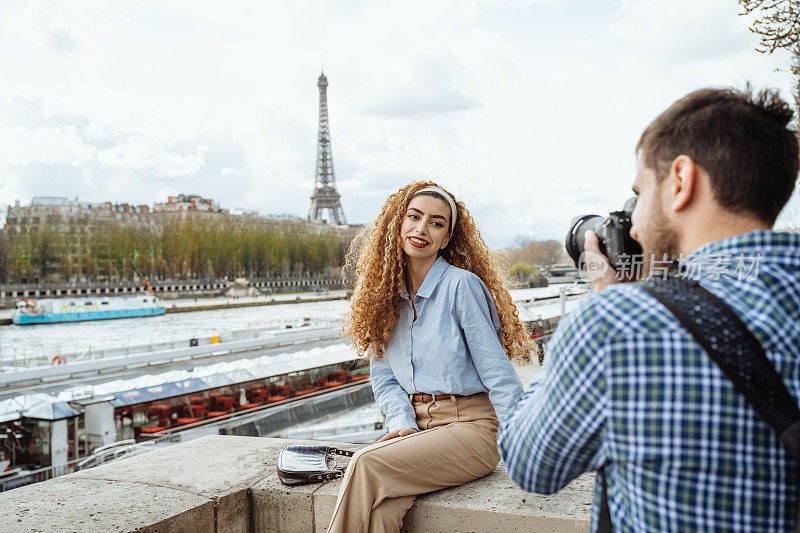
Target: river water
(47, 340)
(36, 342)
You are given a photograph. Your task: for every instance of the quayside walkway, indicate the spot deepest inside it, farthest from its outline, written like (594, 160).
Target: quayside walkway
(229, 484)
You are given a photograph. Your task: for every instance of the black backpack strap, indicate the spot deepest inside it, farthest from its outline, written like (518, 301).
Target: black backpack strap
(604, 516)
(734, 348)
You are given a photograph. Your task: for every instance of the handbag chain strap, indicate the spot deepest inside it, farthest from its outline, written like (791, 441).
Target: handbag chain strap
(337, 471)
(337, 451)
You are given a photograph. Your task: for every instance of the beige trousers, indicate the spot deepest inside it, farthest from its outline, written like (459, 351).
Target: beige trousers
(457, 443)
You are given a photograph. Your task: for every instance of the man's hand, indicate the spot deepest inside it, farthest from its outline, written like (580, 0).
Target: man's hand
(596, 267)
(397, 433)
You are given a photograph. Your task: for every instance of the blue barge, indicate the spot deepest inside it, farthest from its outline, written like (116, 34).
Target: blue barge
(51, 311)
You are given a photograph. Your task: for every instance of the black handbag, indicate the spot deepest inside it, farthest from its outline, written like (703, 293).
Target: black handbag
(303, 464)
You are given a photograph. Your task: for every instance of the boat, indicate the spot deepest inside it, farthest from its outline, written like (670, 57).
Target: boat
(55, 310)
(254, 393)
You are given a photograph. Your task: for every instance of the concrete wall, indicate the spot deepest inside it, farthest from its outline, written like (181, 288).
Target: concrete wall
(229, 484)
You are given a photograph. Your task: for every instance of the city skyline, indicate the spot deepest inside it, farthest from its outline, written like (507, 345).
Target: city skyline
(202, 203)
(528, 111)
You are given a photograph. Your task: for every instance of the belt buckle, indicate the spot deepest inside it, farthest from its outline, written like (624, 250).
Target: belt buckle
(422, 395)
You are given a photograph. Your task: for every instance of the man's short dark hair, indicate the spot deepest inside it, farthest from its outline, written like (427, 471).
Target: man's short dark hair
(742, 140)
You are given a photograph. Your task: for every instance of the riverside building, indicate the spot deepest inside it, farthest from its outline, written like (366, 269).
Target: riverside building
(57, 239)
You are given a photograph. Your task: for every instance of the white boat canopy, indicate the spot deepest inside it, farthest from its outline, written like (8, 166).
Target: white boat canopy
(154, 386)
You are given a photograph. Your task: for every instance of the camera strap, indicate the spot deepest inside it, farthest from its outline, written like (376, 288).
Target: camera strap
(736, 351)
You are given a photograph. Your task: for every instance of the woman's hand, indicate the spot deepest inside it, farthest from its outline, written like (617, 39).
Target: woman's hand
(397, 433)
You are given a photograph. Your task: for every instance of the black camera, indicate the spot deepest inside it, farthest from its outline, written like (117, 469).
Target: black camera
(613, 232)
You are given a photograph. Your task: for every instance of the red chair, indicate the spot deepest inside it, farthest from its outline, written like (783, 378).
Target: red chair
(273, 399)
(332, 384)
(246, 406)
(151, 430)
(305, 391)
(360, 377)
(338, 375)
(186, 421)
(215, 414)
(225, 402)
(282, 390)
(160, 410)
(197, 410)
(197, 399)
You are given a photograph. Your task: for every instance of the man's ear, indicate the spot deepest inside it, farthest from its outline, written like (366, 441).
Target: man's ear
(681, 182)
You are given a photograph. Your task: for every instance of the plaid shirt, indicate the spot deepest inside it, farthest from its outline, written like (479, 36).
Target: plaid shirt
(626, 386)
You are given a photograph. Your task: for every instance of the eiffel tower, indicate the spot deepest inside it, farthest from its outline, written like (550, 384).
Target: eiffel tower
(325, 197)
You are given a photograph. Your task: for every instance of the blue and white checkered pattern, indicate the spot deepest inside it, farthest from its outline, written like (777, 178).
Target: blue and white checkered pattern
(626, 386)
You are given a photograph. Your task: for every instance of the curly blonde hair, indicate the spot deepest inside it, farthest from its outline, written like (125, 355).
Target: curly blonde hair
(376, 264)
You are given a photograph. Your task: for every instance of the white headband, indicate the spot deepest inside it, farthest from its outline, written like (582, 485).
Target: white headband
(453, 211)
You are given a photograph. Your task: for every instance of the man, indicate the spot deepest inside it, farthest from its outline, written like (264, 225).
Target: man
(626, 388)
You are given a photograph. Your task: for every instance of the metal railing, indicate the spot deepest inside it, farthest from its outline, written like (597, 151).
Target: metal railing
(128, 448)
(102, 455)
(116, 450)
(161, 357)
(7, 287)
(23, 478)
(17, 359)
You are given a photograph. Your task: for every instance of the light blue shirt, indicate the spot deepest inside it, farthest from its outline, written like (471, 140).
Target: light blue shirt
(452, 348)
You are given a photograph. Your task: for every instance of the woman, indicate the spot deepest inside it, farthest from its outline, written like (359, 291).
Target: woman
(430, 310)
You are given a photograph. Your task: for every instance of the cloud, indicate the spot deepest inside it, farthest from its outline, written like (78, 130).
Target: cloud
(790, 216)
(21, 145)
(63, 42)
(140, 153)
(529, 110)
(29, 112)
(441, 83)
(680, 30)
(415, 104)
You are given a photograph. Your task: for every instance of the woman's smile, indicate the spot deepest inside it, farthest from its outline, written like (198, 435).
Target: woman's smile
(418, 242)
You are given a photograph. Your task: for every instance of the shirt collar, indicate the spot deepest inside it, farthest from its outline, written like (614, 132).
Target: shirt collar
(777, 246)
(432, 278)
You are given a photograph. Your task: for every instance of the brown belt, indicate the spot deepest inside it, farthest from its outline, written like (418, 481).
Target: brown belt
(426, 398)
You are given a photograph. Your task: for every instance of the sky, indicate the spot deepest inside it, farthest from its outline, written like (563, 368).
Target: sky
(528, 111)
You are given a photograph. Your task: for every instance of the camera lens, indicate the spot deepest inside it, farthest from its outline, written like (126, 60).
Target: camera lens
(575, 240)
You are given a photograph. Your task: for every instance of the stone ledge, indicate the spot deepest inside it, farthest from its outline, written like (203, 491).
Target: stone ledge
(69, 504)
(229, 484)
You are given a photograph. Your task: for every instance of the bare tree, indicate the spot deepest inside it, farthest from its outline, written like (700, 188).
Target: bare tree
(535, 252)
(777, 24)
(185, 248)
(4, 266)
